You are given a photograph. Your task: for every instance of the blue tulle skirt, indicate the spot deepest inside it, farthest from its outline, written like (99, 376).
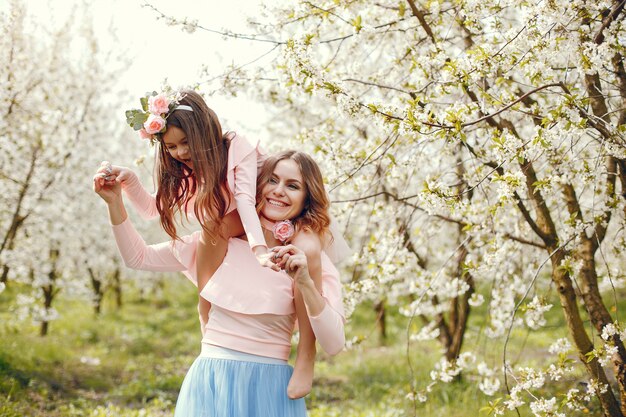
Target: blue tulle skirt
(242, 387)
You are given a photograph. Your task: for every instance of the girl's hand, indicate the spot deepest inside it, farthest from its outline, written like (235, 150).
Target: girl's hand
(108, 189)
(293, 261)
(265, 257)
(116, 174)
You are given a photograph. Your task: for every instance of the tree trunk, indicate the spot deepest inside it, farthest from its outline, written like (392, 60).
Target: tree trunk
(49, 291)
(17, 220)
(96, 285)
(598, 313)
(457, 323)
(580, 337)
(379, 308)
(117, 288)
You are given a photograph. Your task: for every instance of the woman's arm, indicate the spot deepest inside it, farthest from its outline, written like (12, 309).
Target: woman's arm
(302, 260)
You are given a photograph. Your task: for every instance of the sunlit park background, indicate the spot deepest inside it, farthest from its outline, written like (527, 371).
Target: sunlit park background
(474, 151)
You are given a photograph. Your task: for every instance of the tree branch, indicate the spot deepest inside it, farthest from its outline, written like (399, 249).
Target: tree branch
(490, 116)
(606, 22)
(422, 20)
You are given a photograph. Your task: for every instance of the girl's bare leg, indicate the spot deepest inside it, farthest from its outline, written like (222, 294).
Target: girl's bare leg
(301, 380)
(210, 255)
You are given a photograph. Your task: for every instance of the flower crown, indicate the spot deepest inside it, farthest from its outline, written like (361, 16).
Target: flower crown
(151, 119)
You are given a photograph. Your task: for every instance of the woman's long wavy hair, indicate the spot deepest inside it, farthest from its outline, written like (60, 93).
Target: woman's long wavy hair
(177, 184)
(315, 215)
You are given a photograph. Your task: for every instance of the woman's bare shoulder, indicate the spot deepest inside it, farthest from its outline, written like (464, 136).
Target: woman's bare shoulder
(308, 241)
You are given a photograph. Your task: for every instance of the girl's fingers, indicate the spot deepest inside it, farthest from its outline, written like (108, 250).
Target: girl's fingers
(282, 260)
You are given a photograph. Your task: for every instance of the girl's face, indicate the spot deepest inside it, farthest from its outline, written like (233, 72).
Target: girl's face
(284, 193)
(175, 141)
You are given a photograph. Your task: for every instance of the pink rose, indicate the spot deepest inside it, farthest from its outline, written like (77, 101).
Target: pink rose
(283, 230)
(154, 124)
(144, 135)
(158, 104)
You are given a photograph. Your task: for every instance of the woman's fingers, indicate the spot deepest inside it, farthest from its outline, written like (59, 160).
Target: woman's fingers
(281, 260)
(282, 250)
(295, 262)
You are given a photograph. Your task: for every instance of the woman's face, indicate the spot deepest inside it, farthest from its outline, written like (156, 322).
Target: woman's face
(284, 193)
(175, 141)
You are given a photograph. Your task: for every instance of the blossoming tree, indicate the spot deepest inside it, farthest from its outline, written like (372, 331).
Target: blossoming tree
(57, 111)
(468, 145)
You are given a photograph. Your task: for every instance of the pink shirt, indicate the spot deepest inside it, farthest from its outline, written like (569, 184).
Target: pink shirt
(255, 310)
(244, 160)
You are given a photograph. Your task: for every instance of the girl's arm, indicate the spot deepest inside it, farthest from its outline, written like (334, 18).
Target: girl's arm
(244, 190)
(140, 198)
(133, 249)
(245, 159)
(143, 202)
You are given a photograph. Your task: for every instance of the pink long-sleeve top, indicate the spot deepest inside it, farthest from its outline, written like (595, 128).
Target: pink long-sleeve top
(252, 308)
(244, 161)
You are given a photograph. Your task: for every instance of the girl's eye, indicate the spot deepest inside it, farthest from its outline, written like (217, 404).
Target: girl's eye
(293, 186)
(272, 181)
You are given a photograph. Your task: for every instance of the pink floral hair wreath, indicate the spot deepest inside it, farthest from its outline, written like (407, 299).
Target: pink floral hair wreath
(152, 118)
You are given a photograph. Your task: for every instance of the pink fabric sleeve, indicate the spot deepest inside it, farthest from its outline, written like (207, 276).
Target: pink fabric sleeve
(140, 198)
(137, 255)
(244, 190)
(328, 326)
(329, 330)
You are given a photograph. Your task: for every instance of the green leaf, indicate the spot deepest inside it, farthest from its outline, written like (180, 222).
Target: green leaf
(401, 9)
(357, 23)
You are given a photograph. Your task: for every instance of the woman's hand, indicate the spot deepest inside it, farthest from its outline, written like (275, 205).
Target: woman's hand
(294, 262)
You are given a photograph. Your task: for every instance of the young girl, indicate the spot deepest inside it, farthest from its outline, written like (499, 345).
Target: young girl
(242, 368)
(198, 170)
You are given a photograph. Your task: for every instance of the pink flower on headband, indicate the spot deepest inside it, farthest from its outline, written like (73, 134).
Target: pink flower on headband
(144, 135)
(284, 230)
(152, 117)
(154, 124)
(158, 104)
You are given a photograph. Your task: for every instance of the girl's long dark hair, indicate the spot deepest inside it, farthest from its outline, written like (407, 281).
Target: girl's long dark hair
(177, 184)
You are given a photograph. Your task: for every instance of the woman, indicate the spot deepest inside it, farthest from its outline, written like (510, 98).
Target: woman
(243, 366)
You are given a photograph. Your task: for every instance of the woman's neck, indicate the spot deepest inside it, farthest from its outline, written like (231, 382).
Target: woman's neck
(267, 223)
(268, 231)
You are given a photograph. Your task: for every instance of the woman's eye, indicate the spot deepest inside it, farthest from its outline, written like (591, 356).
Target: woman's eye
(293, 186)
(272, 181)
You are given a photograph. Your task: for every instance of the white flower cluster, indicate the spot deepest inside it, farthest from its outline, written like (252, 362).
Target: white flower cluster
(429, 332)
(489, 383)
(545, 408)
(560, 346)
(445, 370)
(535, 311)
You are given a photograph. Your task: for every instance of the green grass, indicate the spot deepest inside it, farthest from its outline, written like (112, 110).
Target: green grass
(145, 349)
